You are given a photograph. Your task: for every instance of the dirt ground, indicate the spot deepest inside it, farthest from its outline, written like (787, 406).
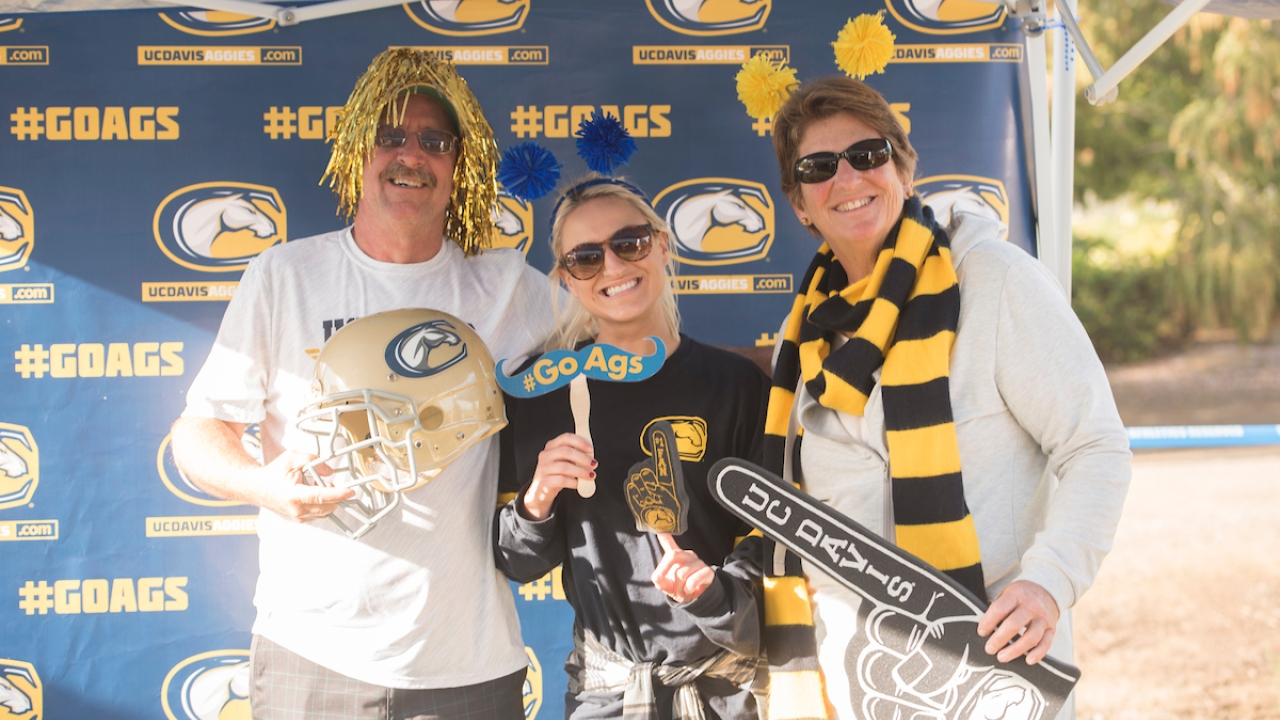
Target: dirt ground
(1184, 619)
(1208, 384)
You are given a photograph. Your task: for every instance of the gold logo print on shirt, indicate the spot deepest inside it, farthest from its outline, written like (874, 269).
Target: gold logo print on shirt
(690, 434)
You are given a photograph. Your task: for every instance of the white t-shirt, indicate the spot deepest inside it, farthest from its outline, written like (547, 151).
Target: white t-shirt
(417, 602)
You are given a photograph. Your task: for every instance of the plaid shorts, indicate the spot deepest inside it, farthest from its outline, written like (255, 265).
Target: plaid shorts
(289, 687)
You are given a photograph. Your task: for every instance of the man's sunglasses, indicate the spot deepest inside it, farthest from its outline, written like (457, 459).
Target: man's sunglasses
(630, 243)
(864, 155)
(435, 142)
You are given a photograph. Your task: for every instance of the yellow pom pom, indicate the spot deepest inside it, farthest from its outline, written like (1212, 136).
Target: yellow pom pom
(763, 87)
(864, 46)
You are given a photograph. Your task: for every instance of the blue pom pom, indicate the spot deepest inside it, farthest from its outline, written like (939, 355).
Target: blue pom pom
(604, 143)
(528, 171)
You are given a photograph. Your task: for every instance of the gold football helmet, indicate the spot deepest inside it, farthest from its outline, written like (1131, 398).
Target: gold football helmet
(401, 395)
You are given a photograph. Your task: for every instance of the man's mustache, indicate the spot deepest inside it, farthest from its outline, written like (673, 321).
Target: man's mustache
(398, 171)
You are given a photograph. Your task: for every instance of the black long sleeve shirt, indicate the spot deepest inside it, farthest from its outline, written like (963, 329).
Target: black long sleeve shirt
(716, 401)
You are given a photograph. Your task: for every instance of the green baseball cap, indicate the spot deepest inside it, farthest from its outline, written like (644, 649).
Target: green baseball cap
(439, 97)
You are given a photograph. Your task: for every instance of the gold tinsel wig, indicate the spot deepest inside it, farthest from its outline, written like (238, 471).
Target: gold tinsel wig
(391, 75)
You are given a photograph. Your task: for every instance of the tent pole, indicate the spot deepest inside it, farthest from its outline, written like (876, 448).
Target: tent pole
(334, 7)
(288, 15)
(242, 7)
(1064, 134)
(1100, 91)
(1046, 240)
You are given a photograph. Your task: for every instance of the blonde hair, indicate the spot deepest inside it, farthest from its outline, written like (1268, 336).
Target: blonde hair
(573, 323)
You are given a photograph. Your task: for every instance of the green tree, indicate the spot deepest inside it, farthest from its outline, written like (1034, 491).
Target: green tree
(1198, 123)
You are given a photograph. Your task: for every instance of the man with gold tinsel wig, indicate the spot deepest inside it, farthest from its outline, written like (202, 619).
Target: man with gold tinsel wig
(411, 620)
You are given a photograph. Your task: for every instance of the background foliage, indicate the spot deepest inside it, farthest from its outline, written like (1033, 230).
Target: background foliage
(1197, 125)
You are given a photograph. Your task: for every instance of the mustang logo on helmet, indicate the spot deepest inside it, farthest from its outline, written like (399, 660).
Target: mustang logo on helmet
(410, 353)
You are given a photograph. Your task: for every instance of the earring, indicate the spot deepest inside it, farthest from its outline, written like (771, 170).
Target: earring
(805, 221)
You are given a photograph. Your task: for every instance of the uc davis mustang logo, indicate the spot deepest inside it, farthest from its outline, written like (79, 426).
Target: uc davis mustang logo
(17, 229)
(718, 221)
(947, 17)
(948, 194)
(19, 466)
(180, 485)
(710, 17)
(513, 219)
(469, 17)
(221, 226)
(425, 349)
(532, 685)
(208, 686)
(690, 432)
(21, 692)
(216, 23)
(10, 23)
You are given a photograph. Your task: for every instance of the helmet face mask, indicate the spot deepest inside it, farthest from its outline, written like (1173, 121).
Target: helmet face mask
(402, 394)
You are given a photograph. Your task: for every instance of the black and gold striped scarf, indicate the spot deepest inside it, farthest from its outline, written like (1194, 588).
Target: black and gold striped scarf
(903, 318)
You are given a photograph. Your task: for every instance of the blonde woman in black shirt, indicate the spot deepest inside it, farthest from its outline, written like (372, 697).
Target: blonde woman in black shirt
(688, 604)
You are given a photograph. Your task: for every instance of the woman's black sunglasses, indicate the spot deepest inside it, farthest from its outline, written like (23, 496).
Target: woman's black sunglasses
(864, 155)
(630, 243)
(435, 142)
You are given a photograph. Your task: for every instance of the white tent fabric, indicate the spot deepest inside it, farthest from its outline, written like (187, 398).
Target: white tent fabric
(26, 6)
(1252, 9)
(290, 14)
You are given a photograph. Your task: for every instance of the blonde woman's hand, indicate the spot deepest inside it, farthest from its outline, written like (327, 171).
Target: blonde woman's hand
(563, 463)
(681, 574)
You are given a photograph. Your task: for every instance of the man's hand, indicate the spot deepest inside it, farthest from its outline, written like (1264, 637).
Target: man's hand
(681, 574)
(564, 462)
(283, 490)
(210, 454)
(1023, 607)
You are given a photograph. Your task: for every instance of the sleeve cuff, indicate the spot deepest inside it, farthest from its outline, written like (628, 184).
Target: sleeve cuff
(712, 603)
(528, 526)
(1053, 581)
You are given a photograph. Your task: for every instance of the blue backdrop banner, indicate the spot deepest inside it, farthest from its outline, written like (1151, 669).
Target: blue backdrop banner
(150, 155)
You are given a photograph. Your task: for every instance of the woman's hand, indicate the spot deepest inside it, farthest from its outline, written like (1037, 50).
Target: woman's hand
(681, 574)
(562, 464)
(1023, 607)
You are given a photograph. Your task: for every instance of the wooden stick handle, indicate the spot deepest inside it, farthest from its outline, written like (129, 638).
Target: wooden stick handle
(580, 404)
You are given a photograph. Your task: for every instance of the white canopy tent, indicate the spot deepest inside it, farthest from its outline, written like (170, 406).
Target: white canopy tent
(1053, 129)
(1054, 137)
